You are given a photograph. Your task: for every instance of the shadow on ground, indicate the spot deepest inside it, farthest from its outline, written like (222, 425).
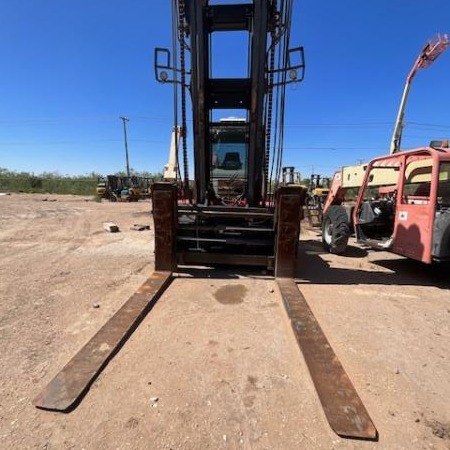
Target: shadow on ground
(312, 268)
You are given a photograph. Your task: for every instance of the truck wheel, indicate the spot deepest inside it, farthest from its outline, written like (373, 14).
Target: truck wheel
(335, 230)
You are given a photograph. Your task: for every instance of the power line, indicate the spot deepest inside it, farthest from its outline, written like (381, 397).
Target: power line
(431, 125)
(50, 120)
(340, 125)
(308, 147)
(103, 118)
(71, 142)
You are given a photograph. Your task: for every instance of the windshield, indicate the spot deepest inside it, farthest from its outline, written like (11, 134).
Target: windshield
(228, 160)
(229, 153)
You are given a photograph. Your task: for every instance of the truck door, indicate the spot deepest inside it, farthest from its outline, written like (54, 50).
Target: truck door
(415, 209)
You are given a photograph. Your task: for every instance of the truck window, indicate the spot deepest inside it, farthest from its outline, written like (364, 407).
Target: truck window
(443, 196)
(417, 183)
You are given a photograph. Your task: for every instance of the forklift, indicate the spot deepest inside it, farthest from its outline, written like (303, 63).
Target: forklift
(124, 189)
(228, 216)
(318, 189)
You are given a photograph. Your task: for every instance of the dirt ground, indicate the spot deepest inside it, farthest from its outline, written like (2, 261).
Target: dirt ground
(217, 349)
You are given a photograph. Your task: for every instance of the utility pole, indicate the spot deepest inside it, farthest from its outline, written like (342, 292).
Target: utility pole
(125, 120)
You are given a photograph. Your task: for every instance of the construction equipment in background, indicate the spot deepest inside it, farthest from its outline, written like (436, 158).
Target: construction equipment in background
(399, 202)
(171, 169)
(103, 189)
(124, 189)
(292, 178)
(289, 177)
(229, 218)
(318, 189)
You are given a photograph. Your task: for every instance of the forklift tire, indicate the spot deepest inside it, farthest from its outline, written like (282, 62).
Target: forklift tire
(335, 230)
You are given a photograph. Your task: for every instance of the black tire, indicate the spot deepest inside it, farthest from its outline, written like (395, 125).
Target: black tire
(112, 198)
(335, 230)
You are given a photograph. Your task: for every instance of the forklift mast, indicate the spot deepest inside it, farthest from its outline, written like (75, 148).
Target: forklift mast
(267, 23)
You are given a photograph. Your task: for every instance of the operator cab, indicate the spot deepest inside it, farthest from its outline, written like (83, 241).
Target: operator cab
(229, 153)
(375, 215)
(405, 205)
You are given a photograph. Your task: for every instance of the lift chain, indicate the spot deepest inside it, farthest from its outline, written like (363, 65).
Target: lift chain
(269, 116)
(181, 30)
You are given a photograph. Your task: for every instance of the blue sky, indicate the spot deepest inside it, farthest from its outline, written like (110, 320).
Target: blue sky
(71, 68)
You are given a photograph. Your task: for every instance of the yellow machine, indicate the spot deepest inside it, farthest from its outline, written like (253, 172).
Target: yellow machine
(124, 189)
